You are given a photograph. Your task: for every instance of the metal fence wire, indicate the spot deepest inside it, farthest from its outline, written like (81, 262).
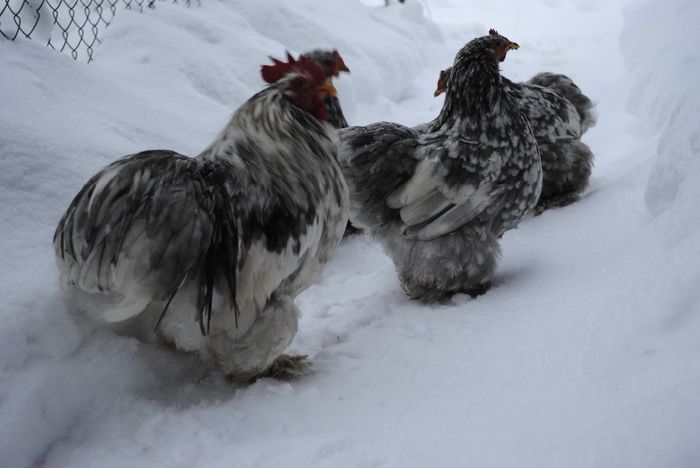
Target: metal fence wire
(66, 25)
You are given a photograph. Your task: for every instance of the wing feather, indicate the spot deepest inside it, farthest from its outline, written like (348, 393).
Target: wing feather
(408, 174)
(448, 220)
(429, 207)
(425, 208)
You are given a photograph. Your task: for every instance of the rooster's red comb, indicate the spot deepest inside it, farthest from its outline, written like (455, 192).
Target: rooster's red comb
(493, 32)
(337, 57)
(278, 69)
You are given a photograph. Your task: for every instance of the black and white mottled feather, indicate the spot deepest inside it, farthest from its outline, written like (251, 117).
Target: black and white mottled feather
(439, 199)
(211, 251)
(559, 114)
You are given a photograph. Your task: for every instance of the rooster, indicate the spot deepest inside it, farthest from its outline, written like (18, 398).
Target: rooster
(438, 200)
(210, 252)
(559, 113)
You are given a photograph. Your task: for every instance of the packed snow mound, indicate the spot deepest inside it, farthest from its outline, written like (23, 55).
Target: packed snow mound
(658, 43)
(219, 47)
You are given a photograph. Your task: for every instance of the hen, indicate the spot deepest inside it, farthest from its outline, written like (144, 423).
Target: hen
(559, 114)
(439, 200)
(210, 252)
(332, 64)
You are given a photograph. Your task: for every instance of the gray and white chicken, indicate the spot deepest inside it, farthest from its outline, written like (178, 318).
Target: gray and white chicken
(332, 64)
(210, 252)
(559, 114)
(438, 200)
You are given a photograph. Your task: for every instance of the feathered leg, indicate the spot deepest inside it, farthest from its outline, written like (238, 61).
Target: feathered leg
(461, 262)
(351, 230)
(288, 367)
(566, 169)
(253, 354)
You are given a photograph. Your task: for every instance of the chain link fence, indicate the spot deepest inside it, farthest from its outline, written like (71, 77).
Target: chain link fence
(66, 25)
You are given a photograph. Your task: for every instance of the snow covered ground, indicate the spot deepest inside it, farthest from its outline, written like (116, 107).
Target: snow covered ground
(584, 354)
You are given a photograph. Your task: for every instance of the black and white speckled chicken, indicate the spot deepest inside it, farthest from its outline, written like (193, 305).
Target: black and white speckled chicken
(438, 200)
(559, 114)
(211, 251)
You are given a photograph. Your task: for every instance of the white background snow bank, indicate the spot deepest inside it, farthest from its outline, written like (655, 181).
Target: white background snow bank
(658, 49)
(584, 354)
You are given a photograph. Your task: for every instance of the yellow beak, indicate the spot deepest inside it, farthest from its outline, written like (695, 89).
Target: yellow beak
(327, 89)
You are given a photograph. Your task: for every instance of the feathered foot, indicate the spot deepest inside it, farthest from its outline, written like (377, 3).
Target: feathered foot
(479, 289)
(288, 367)
(555, 202)
(351, 230)
(443, 297)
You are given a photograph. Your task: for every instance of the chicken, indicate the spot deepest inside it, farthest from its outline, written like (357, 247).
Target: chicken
(332, 64)
(559, 114)
(566, 87)
(439, 200)
(209, 253)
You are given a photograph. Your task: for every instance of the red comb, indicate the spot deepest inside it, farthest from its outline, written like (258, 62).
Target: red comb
(278, 69)
(493, 32)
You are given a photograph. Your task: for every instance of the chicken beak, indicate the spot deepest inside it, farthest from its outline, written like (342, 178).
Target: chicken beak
(513, 46)
(327, 89)
(343, 68)
(439, 91)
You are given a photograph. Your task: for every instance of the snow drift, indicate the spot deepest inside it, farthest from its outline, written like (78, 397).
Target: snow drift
(658, 44)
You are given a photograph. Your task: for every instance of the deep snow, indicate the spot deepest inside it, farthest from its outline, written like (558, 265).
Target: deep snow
(584, 354)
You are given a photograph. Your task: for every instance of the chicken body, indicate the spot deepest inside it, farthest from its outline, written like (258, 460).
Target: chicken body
(559, 114)
(439, 200)
(211, 251)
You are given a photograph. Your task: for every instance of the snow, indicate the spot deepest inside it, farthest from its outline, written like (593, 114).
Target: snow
(583, 354)
(675, 69)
